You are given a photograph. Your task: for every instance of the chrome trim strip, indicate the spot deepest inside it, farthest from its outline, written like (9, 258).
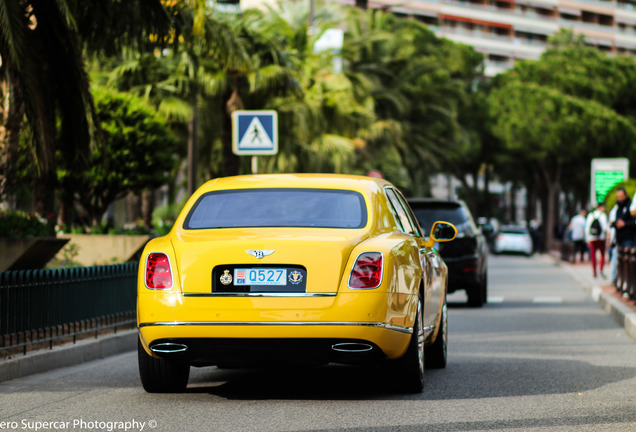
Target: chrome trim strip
(429, 328)
(168, 348)
(400, 329)
(260, 294)
(361, 347)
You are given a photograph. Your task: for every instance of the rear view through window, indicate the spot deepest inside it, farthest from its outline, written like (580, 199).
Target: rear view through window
(321, 208)
(452, 213)
(514, 230)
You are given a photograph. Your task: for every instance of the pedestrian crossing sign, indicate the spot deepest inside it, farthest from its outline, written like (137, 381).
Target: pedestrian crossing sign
(255, 132)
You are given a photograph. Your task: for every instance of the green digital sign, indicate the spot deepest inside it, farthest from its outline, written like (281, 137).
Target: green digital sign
(604, 181)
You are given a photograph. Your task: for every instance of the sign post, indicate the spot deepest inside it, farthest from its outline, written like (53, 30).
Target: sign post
(606, 173)
(254, 133)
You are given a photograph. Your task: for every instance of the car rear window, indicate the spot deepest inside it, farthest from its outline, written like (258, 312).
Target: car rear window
(514, 230)
(427, 216)
(320, 208)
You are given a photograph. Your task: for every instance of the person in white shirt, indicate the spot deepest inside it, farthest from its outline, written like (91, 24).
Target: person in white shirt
(596, 229)
(577, 232)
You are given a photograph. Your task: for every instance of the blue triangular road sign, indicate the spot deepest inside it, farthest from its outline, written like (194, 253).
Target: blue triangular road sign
(254, 132)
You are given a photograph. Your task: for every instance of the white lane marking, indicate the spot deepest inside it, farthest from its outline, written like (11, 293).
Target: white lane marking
(547, 300)
(495, 299)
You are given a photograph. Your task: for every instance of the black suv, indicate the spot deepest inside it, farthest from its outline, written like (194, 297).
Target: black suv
(467, 255)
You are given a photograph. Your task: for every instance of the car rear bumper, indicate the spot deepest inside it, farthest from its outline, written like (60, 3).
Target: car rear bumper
(289, 342)
(514, 248)
(245, 352)
(365, 317)
(463, 272)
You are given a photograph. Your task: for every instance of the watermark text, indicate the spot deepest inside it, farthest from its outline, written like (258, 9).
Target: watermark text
(78, 425)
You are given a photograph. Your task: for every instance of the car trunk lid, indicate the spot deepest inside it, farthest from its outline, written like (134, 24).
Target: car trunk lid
(319, 255)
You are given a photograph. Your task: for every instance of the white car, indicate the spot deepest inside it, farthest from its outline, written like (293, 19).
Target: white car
(513, 238)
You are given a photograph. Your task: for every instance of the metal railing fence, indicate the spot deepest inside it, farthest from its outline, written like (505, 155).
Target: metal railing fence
(42, 306)
(626, 274)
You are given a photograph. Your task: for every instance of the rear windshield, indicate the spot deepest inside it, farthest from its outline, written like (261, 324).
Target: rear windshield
(320, 208)
(447, 213)
(514, 230)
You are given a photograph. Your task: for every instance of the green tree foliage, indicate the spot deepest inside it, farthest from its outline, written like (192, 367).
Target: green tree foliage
(577, 70)
(394, 105)
(416, 81)
(472, 153)
(320, 120)
(549, 130)
(44, 78)
(135, 153)
(555, 114)
(581, 71)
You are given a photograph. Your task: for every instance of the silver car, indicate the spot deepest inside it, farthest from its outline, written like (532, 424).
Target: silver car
(513, 238)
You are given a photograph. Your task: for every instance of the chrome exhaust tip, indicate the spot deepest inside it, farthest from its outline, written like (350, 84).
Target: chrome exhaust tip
(352, 347)
(168, 348)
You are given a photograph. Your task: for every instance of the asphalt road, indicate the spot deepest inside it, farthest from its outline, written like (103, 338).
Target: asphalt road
(540, 357)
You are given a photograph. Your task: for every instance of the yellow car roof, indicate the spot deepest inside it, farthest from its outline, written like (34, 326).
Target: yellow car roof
(329, 181)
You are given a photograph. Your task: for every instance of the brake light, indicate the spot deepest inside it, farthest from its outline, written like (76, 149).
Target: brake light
(367, 271)
(158, 274)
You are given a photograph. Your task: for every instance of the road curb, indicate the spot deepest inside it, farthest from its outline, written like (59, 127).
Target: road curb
(621, 313)
(67, 355)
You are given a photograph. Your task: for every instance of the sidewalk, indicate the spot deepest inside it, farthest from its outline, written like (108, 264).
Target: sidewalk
(70, 354)
(603, 292)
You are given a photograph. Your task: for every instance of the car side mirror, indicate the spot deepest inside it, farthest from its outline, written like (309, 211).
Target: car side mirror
(442, 232)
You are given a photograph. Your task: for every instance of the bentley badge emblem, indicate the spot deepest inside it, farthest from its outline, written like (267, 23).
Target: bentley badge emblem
(295, 277)
(259, 253)
(226, 277)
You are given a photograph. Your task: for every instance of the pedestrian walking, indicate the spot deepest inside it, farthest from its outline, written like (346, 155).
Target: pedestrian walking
(596, 228)
(625, 225)
(577, 234)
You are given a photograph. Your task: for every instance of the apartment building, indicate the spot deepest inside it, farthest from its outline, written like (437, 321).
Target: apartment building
(507, 30)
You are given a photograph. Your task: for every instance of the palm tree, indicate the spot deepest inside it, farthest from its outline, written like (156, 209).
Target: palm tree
(41, 44)
(400, 62)
(320, 123)
(200, 43)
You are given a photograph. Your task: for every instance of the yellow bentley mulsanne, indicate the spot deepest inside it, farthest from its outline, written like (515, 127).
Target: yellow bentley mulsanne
(295, 268)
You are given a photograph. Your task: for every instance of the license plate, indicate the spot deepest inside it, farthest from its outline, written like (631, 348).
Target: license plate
(260, 276)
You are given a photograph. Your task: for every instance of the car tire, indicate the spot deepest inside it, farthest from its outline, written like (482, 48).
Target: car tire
(436, 355)
(409, 369)
(161, 375)
(476, 294)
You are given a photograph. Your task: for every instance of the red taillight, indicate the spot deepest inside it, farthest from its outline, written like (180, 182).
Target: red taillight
(158, 274)
(367, 271)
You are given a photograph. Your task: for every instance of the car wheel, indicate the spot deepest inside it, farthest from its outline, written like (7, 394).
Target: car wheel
(410, 367)
(476, 295)
(161, 375)
(437, 354)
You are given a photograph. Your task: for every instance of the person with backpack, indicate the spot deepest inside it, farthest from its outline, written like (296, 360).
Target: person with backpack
(596, 229)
